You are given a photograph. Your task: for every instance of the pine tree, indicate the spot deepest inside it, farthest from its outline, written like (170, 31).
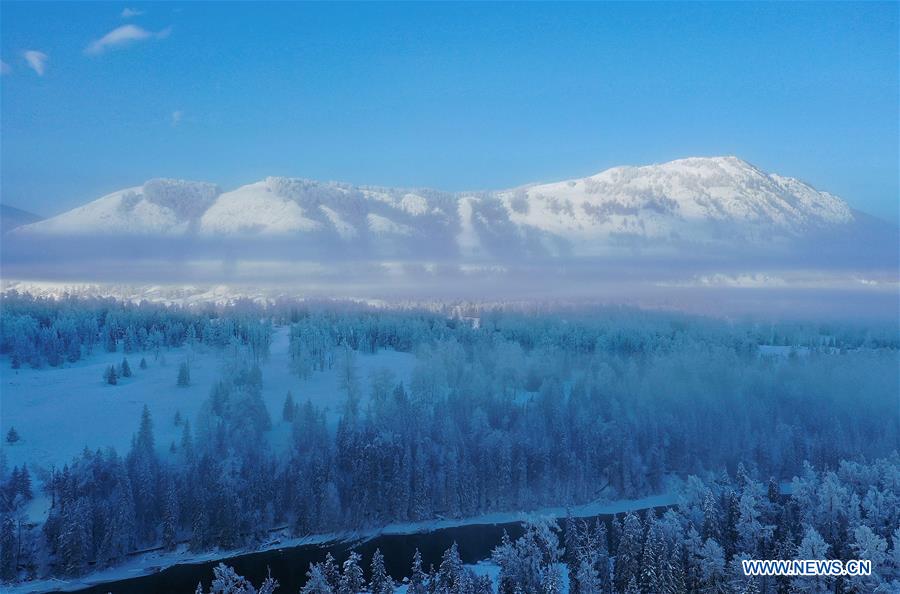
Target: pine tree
(711, 527)
(675, 582)
(288, 411)
(650, 562)
(451, 575)
(380, 582)
(628, 556)
(9, 545)
(73, 540)
(130, 339)
(126, 368)
(506, 556)
(601, 543)
(199, 531)
(187, 441)
(12, 436)
(177, 420)
(418, 579)
(730, 523)
(170, 519)
(12, 485)
(184, 375)
(110, 341)
(316, 581)
(145, 441)
(332, 573)
(24, 486)
(352, 580)
(586, 577)
(143, 364)
(110, 376)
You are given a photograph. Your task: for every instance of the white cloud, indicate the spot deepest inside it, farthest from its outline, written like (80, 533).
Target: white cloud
(177, 116)
(127, 13)
(5, 68)
(122, 36)
(36, 60)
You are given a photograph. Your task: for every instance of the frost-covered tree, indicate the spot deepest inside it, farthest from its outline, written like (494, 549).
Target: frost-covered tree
(380, 582)
(628, 555)
(813, 546)
(9, 547)
(711, 561)
(227, 581)
(506, 556)
(170, 518)
(316, 581)
(869, 545)
(352, 579)
(418, 578)
(451, 576)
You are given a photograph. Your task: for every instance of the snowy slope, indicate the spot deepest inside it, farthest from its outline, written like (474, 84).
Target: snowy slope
(11, 217)
(159, 207)
(720, 199)
(701, 196)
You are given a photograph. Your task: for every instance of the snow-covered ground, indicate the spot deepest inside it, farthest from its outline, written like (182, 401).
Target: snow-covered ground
(60, 411)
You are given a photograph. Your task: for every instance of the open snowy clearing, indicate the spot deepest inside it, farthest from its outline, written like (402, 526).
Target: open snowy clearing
(60, 411)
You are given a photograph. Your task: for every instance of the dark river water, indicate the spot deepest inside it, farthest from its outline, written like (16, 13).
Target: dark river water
(289, 565)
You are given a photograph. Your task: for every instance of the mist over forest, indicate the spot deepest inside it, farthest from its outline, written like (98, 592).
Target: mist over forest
(493, 409)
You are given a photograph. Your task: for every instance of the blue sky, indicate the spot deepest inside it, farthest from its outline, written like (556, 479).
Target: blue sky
(452, 96)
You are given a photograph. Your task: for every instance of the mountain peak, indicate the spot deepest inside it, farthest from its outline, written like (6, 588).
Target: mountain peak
(727, 162)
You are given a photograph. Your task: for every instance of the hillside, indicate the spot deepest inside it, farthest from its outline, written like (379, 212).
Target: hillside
(11, 218)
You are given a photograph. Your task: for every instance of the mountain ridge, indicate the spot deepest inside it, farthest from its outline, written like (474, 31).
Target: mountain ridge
(699, 200)
(12, 217)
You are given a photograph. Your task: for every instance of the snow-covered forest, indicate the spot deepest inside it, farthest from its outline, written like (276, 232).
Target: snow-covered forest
(503, 409)
(696, 546)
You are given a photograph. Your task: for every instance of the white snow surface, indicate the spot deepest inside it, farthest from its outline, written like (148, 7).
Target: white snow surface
(55, 410)
(159, 207)
(703, 199)
(255, 209)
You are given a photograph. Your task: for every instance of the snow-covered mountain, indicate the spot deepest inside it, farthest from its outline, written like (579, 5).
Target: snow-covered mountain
(698, 201)
(11, 217)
